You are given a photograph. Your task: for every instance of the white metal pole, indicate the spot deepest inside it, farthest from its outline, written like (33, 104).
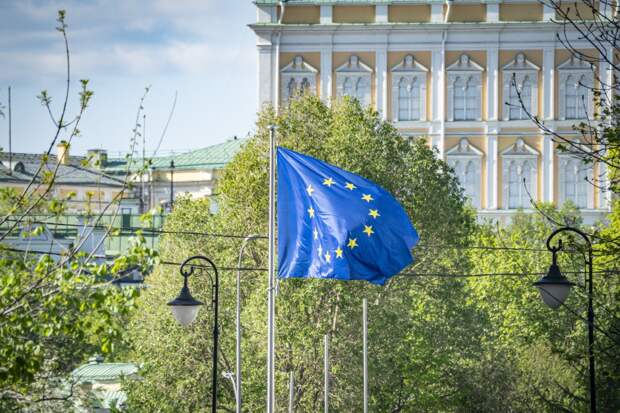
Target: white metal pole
(270, 298)
(291, 392)
(238, 323)
(326, 368)
(365, 341)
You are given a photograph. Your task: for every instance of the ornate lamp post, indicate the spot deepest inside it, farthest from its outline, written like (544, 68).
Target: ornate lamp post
(185, 309)
(554, 289)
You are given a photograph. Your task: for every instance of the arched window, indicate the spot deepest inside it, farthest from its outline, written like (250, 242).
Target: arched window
(520, 107)
(519, 183)
(408, 99)
(576, 95)
(360, 90)
(305, 85)
(459, 98)
(347, 88)
(292, 88)
(574, 183)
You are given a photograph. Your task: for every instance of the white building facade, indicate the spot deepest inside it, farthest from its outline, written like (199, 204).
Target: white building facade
(454, 72)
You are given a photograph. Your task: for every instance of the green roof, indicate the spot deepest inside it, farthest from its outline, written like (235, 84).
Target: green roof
(95, 371)
(211, 157)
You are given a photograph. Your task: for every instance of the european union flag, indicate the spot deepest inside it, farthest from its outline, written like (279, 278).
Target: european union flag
(335, 224)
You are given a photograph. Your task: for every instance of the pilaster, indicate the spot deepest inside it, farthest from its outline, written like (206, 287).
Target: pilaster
(381, 13)
(326, 14)
(437, 12)
(492, 13)
(381, 82)
(492, 167)
(265, 75)
(548, 167)
(548, 89)
(438, 98)
(326, 73)
(492, 83)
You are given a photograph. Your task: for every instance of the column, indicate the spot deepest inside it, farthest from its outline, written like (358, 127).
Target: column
(381, 82)
(492, 84)
(381, 14)
(326, 14)
(265, 75)
(605, 75)
(492, 168)
(326, 73)
(492, 12)
(438, 99)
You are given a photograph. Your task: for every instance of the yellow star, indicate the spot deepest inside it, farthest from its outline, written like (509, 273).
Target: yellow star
(368, 230)
(311, 212)
(338, 252)
(374, 213)
(329, 182)
(352, 243)
(367, 197)
(310, 190)
(350, 186)
(328, 257)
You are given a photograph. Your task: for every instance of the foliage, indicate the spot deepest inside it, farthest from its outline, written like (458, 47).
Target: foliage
(422, 338)
(542, 352)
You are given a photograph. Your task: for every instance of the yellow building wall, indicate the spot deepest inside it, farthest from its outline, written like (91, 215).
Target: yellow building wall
(507, 141)
(312, 58)
(468, 13)
(526, 12)
(478, 56)
(409, 13)
(480, 142)
(424, 58)
(340, 58)
(505, 57)
(302, 15)
(576, 10)
(353, 14)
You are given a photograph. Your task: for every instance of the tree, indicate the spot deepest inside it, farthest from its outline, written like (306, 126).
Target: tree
(422, 338)
(543, 351)
(56, 310)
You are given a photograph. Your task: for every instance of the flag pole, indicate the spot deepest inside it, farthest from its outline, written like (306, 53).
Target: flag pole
(291, 392)
(326, 368)
(365, 340)
(270, 290)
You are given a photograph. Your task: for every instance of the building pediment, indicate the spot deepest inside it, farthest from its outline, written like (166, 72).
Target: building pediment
(354, 66)
(576, 64)
(299, 66)
(465, 64)
(520, 63)
(464, 149)
(520, 149)
(408, 65)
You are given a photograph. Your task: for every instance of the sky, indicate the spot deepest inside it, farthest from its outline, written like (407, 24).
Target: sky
(200, 50)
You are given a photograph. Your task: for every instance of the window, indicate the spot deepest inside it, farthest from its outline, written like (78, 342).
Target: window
(574, 185)
(464, 90)
(576, 78)
(576, 95)
(519, 184)
(466, 160)
(520, 171)
(353, 79)
(409, 90)
(521, 106)
(520, 78)
(297, 77)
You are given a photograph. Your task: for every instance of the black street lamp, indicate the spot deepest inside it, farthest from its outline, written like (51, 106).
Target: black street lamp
(185, 309)
(554, 289)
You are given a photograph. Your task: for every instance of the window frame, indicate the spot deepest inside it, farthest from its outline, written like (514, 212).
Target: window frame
(465, 153)
(411, 71)
(298, 70)
(471, 72)
(355, 70)
(577, 68)
(520, 69)
(519, 154)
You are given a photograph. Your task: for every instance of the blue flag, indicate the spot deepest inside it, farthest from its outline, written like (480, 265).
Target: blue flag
(335, 224)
